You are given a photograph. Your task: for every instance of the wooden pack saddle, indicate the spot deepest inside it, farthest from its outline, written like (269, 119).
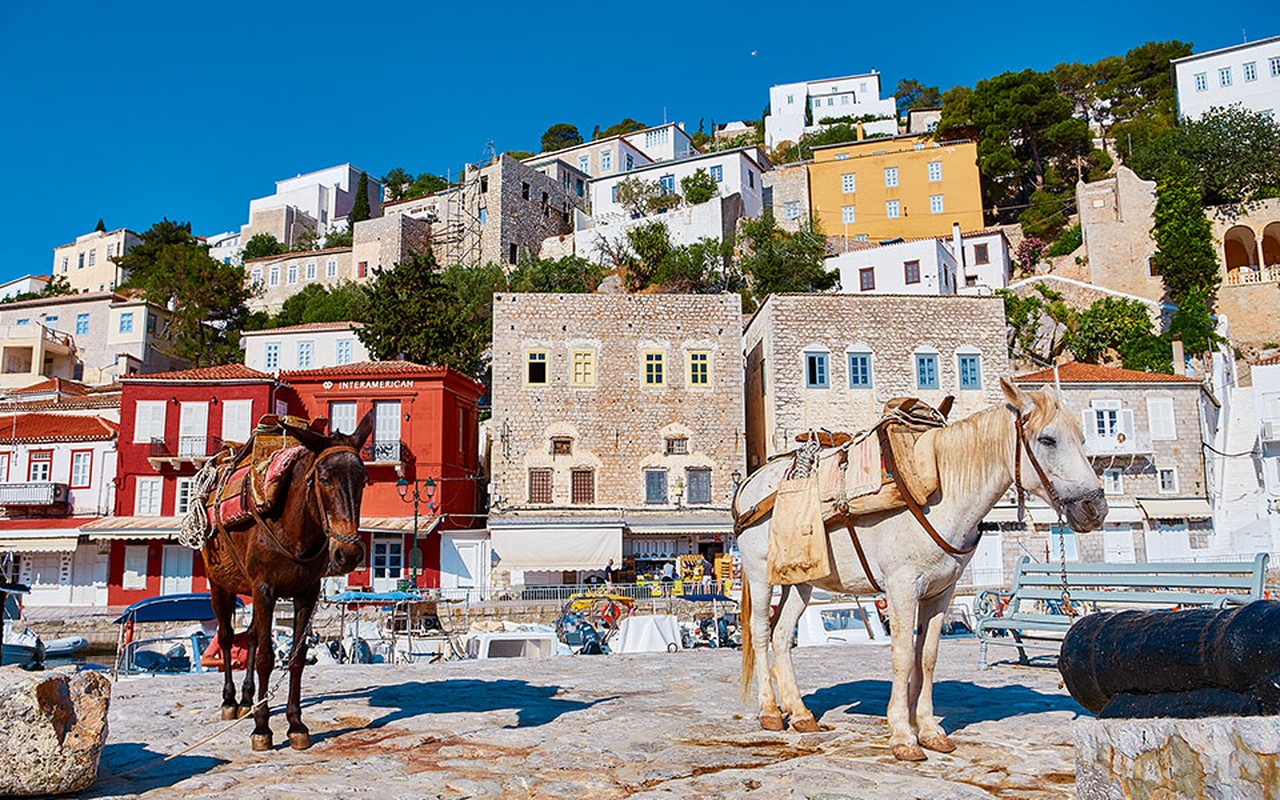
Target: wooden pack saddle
(251, 475)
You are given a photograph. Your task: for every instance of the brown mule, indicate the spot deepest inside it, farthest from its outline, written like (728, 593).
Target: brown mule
(313, 530)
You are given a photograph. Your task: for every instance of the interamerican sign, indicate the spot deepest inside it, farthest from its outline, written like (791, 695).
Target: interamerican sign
(368, 385)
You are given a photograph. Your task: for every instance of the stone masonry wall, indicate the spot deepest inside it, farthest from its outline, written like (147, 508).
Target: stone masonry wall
(785, 183)
(617, 426)
(526, 221)
(892, 328)
(1115, 218)
(384, 242)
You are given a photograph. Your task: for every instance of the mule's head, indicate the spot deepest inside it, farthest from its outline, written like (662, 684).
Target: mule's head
(1057, 443)
(336, 480)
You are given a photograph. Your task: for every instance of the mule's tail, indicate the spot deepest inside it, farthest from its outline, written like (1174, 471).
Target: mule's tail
(744, 626)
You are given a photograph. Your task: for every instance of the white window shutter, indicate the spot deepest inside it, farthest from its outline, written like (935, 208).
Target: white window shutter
(1090, 424)
(1126, 423)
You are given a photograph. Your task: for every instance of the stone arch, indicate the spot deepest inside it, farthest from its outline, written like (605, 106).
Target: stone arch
(1240, 249)
(1271, 245)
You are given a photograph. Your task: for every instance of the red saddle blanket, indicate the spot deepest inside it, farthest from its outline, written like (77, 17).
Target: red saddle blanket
(252, 488)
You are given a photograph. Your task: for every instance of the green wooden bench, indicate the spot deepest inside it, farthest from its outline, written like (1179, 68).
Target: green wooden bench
(1030, 615)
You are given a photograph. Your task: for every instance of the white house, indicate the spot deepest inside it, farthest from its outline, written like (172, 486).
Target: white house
(326, 195)
(622, 153)
(966, 263)
(1248, 74)
(27, 284)
(312, 345)
(735, 171)
(1266, 390)
(854, 96)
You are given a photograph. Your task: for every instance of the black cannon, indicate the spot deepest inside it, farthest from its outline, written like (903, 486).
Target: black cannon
(1185, 664)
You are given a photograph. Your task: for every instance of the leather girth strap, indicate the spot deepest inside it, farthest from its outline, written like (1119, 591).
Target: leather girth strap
(887, 452)
(862, 558)
(756, 513)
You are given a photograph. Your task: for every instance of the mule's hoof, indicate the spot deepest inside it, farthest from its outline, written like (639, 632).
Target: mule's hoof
(771, 722)
(245, 710)
(261, 741)
(805, 725)
(230, 712)
(908, 752)
(300, 741)
(938, 744)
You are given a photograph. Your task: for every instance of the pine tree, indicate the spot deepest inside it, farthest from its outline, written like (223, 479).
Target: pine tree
(1185, 257)
(360, 206)
(101, 226)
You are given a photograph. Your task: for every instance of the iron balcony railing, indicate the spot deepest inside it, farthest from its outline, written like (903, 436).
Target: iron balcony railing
(186, 447)
(384, 452)
(36, 493)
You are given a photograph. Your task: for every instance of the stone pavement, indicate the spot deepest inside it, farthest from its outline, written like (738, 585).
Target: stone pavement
(640, 726)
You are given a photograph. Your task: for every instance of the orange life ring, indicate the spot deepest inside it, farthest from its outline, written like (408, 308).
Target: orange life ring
(882, 602)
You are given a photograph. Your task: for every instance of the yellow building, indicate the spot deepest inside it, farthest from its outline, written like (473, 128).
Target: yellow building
(905, 186)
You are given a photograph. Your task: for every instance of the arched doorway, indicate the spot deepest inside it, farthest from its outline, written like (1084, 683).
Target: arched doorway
(1240, 250)
(1271, 245)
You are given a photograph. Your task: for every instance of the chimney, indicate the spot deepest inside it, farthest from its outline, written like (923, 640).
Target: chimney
(1179, 359)
(858, 128)
(957, 244)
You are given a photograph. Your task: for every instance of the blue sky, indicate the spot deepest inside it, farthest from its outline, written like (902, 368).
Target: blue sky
(136, 111)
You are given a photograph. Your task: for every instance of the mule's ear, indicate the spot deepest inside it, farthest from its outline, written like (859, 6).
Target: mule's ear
(313, 440)
(1017, 398)
(363, 430)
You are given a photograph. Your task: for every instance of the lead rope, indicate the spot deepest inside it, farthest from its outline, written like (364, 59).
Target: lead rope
(1023, 443)
(1067, 605)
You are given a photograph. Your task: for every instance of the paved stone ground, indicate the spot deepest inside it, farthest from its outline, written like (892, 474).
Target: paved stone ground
(641, 726)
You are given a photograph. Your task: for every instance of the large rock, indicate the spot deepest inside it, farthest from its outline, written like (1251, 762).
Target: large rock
(1163, 759)
(53, 726)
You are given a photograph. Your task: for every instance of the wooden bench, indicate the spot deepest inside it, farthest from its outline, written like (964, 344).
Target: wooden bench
(1030, 615)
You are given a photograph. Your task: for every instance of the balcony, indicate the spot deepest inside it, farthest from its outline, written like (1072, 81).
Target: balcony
(385, 452)
(1271, 430)
(194, 450)
(1247, 275)
(40, 493)
(1120, 445)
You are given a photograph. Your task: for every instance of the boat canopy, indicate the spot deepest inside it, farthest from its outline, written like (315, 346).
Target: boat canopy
(195, 607)
(374, 598)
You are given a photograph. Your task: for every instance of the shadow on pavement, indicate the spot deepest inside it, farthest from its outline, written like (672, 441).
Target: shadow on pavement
(958, 703)
(119, 758)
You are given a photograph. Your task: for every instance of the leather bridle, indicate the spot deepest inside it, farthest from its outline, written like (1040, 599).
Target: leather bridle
(315, 493)
(1024, 445)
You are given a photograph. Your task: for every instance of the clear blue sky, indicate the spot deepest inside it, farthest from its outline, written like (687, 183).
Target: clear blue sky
(136, 111)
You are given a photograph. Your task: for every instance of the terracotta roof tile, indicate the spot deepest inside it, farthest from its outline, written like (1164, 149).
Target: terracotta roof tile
(308, 326)
(1077, 372)
(367, 368)
(50, 385)
(19, 428)
(65, 404)
(221, 372)
(1268, 361)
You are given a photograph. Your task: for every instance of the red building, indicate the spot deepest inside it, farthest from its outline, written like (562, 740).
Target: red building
(425, 431)
(170, 424)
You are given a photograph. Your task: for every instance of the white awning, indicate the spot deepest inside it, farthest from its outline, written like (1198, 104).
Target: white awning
(558, 547)
(1176, 507)
(133, 528)
(39, 544)
(402, 525)
(1123, 514)
(1041, 515)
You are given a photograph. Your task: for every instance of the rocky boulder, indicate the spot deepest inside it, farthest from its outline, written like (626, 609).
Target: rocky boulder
(53, 726)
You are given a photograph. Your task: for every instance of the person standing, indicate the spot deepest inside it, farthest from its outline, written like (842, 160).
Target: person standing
(608, 574)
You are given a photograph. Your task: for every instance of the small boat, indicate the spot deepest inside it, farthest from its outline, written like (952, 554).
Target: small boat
(176, 650)
(22, 646)
(65, 647)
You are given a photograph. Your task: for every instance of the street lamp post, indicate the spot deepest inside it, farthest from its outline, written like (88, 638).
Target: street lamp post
(421, 489)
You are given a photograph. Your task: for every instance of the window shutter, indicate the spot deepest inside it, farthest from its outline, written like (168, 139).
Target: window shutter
(1126, 423)
(1090, 424)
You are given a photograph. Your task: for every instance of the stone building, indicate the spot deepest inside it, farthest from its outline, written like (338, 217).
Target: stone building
(1115, 223)
(617, 431)
(786, 193)
(498, 213)
(87, 262)
(832, 361)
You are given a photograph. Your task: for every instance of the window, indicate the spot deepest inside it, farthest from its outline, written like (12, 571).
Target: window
(524, 190)
(654, 368)
(484, 184)
(272, 359)
(182, 498)
(717, 173)
(4, 467)
(386, 431)
(81, 468)
(844, 100)
(513, 253)
(343, 351)
(697, 486)
(483, 216)
(848, 183)
(1202, 82)
(535, 368)
(667, 184)
(1275, 70)
(890, 177)
(981, 254)
(859, 370)
(305, 350)
(331, 268)
(911, 271)
(1224, 76)
(1168, 477)
(867, 279)
(582, 485)
(64, 264)
(631, 162)
(237, 420)
(1250, 71)
(80, 261)
(1113, 481)
(935, 171)
(751, 179)
(293, 274)
(273, 278)
(51, 321)
(791, 99)
(926, 371)
(39, 465)
(148, 420)
(677, 446)
(257, 276)
(606, 160)
(699, 368)
(791, 209)
(540, 485)
(23, 321)
(583, 366)
(126, 322)
(655, 486)
(935, 204)
(970, 371)
(342, 417)
(561, 446)
(584, 163)
(841, 156)
(891, 209)
(311, 271)
(847, 215)
(146, 497)
(135, 567)
(386, 562)
(815, 370)
(1160, 419)
(817, 102)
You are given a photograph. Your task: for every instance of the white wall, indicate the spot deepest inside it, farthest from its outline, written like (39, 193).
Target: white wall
(740, 175)
(1266, 394)
(685, 225)
(1261, 94)
(995, 273)
(851, 96)
(324, 348)
(938, 268)
(95, 499)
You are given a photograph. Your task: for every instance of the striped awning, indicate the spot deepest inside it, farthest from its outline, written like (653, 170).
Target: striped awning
(1176, 507)
(39, 544)
(133, 528)
(401, 525)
